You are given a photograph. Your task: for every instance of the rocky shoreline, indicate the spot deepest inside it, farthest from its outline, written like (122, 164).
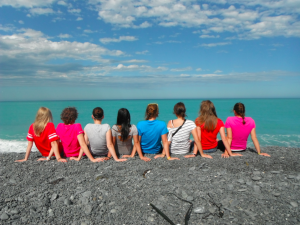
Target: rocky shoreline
(240, 190)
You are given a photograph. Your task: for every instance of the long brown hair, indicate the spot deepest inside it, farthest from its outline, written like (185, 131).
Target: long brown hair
(208, 115)
(240, 110)
(151, 111)
(43, 116)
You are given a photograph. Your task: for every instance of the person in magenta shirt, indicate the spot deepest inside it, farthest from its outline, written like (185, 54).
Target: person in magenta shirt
(239, 128)
(208, 126)
(42, 133)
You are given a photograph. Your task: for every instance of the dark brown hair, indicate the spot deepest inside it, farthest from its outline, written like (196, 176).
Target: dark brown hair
(240, 110)
(179, 110)
(69, 115)
(208, 115)
(151, 111)
(98, 113)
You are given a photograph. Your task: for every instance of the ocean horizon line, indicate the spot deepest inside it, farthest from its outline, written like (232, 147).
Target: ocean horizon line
(139, 99)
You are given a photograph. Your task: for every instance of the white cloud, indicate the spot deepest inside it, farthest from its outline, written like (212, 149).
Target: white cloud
(142, 52)
(121, 38)
(75, 11)
(62, 3)
(209, 36)
(79, 18)
(240, 17)
(198, 69)
(21, 22)
(209, 45)
(181, 69)
(89, 31)
(26, 3)
(218, 71)
(41, 11)
(64, 36)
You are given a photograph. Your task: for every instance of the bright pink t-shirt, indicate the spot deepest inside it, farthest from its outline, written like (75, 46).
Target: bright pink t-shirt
(68, 136)
(240, 131)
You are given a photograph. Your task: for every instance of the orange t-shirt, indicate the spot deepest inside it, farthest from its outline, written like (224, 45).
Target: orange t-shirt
(209, 138)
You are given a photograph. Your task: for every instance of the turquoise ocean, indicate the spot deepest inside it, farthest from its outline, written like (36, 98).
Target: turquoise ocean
(277, 120)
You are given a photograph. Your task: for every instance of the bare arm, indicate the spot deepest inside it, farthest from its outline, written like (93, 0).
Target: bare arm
(137, 148)
(55, 149)
(86, 138)
(84, 149)
(226, 144)
(198, 144)
(256, 143)
(111, 147)
(229, 136)
(166, 151)
(28, 150)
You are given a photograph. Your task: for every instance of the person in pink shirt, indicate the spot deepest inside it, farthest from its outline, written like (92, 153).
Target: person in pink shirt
(238, 129)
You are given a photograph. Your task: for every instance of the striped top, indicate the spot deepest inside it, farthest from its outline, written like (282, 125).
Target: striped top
(180, 142)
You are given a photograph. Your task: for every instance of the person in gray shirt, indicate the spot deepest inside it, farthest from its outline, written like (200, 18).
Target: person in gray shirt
(99, 138)
(123, 133)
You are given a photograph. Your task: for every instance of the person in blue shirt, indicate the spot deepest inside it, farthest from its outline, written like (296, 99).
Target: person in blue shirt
(151, 133)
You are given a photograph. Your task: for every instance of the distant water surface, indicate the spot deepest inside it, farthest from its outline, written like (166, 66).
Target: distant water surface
(277, 120)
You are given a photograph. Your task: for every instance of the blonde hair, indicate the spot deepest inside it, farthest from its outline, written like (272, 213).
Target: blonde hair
(208, 115)
(43, 116)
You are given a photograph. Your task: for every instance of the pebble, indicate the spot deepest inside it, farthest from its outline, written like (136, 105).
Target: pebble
(67, 202)
(150, 219)
(53, 197)
(294, 204)
(190, 198)
(256, 173)
(4, 216)
(256, 189)
(12, 181)
(87, 194)
(14, 211)
(200, 210)
(275, 172)
(230, 187)
(276, 194)
(50, 212)
(256, 178)
(242, 190)
(113, 211)
(291, 177)
(241, 181)
(211, 209)
(88, 209)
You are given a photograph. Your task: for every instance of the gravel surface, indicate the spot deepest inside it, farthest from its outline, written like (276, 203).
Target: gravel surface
(251, 189)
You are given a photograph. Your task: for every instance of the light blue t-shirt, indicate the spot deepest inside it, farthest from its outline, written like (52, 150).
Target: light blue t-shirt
(151, 131)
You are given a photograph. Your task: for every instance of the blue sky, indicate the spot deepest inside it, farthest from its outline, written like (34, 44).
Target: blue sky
(114, 49)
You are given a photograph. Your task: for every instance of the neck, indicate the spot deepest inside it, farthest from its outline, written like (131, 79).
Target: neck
(153, 118)
(180, 118)
(97, 121)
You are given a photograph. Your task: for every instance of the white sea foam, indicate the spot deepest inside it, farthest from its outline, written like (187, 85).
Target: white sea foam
(14, 146)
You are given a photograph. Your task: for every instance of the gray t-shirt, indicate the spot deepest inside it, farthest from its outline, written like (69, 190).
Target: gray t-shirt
(97, 137)
(123, 147)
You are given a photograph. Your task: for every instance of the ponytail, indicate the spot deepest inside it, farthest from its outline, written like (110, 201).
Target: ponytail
(123, 120)
(240, 110)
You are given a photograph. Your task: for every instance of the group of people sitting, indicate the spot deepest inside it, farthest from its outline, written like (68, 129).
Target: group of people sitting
(100, 142)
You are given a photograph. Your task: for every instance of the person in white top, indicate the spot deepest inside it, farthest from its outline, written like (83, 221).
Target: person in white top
(180, 130)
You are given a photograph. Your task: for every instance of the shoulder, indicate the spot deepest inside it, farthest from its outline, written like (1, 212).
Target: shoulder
(189, 122)
(169, 124)
(141, 123)
(133, 126)
(59, 125)
(249, 120)
(106, 126)
(78, 125)
(220, 122)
